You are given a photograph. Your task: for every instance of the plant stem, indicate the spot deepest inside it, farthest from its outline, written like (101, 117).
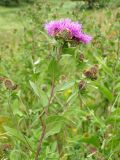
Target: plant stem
(41, 139)
(39, 147)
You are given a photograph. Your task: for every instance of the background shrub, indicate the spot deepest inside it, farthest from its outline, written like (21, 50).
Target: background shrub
(14, 2)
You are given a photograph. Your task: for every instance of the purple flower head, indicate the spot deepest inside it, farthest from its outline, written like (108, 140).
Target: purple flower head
(74, 29)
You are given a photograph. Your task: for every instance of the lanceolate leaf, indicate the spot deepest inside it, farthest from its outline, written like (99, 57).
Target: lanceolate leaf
(13, 132)
(106, 69)
(105, 91)
(53, 69)
(35, 89)
(54, 124)
(65, 86)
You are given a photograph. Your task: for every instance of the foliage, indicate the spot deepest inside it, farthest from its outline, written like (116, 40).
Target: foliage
(14, 2)
(77, 112)
(95, 3)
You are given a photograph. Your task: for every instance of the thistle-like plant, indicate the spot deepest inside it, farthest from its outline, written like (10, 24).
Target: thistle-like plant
(65, 32)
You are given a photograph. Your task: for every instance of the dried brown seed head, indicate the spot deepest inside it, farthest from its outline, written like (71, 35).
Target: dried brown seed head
(9, 85)
(94, 69)
(87, 73)
(92, 72)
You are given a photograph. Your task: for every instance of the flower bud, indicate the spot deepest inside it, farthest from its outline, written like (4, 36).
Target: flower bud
(82, 85)
(63, 77)
(81, 57)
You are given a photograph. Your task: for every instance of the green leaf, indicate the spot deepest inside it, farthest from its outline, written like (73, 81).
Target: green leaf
(65, 86)
(70, 51)
(93, 139)
(35, 89)
(17, 155)
(117, 87)
(53, 69)
(44, 98)
(72, 97)
(16, 109)
(14, 155)
(54, 124)
(104, 66)
(14, 133)
(114, 119)
(105, 91)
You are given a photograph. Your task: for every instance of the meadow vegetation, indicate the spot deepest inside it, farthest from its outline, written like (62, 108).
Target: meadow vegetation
(59, 100)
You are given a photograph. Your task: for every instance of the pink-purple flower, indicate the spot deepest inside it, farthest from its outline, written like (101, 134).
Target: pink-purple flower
(54, 28)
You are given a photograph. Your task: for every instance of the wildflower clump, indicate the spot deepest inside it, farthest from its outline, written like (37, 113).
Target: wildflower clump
(67, 30)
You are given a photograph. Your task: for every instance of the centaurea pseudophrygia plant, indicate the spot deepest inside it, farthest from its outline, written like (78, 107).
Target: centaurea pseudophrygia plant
(65, 32)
